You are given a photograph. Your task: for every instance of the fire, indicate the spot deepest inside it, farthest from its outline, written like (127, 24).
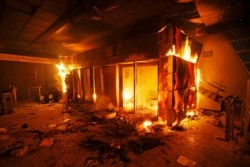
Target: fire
(175, 123)
(126, 95)
(147, 124)
(162, 121)
(94, 97)
(185, 52)
(63, 72)
(190, 114)
(128, 101)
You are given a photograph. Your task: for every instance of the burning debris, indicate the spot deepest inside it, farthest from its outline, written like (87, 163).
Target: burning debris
(109, 140)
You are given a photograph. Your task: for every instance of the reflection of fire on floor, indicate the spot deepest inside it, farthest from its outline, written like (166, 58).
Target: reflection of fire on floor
(51, 136)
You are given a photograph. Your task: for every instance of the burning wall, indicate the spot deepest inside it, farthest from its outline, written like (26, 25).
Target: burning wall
(139, 85)
(177, 74)
(164, 86)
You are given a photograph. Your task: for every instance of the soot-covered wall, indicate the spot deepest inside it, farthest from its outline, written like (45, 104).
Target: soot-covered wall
(25, 75)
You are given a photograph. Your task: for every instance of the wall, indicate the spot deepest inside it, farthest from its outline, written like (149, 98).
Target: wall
(219, 62)
(133, 49)
(25, 75)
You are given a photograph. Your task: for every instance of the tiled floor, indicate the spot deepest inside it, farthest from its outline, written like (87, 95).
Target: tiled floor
(43, 135)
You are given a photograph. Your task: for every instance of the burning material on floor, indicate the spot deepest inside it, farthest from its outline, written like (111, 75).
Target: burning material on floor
(118, 137)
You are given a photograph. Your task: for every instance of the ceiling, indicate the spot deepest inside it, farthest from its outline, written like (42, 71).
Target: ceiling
(50, 28)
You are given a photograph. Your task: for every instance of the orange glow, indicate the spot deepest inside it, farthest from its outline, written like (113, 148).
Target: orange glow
(128, 105)
(147, 123)
(63, 71)
(198, 76)
(174, 123)
(185, 52)
(128, 101)
(190, 114)
(94, 97)
(162, 121)
(126, 95)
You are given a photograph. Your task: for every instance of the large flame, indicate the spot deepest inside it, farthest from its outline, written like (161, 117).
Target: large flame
(185, 52)
(63, 71)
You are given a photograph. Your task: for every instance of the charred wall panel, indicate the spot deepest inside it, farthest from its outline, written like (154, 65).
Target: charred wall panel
(25, 75)
(109, 73)
(177, 74)
(133, 49)
(87, 83)
(146, 88)
(98, 81)
(127, 86)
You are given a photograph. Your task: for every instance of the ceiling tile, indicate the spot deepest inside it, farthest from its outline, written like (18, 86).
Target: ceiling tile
(44, 14)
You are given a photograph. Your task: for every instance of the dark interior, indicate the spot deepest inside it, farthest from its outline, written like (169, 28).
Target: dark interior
(124, 83)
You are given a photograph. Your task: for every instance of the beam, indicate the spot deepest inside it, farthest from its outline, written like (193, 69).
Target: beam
(27, 59)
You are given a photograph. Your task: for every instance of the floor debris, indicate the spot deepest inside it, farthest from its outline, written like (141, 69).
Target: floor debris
(47, 142)
(185, 161)
(79, 138)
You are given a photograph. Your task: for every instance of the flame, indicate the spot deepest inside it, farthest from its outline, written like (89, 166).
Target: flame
(147, 123)
(190, 114)
(94, 97)
(63, 71)
(162, 121)
(185, 52)
(174, 123)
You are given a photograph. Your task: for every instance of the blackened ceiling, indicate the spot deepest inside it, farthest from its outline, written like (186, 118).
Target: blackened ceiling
(50, 28)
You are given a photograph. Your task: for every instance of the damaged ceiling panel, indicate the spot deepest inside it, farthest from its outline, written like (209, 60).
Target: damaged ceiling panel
(50, 28)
